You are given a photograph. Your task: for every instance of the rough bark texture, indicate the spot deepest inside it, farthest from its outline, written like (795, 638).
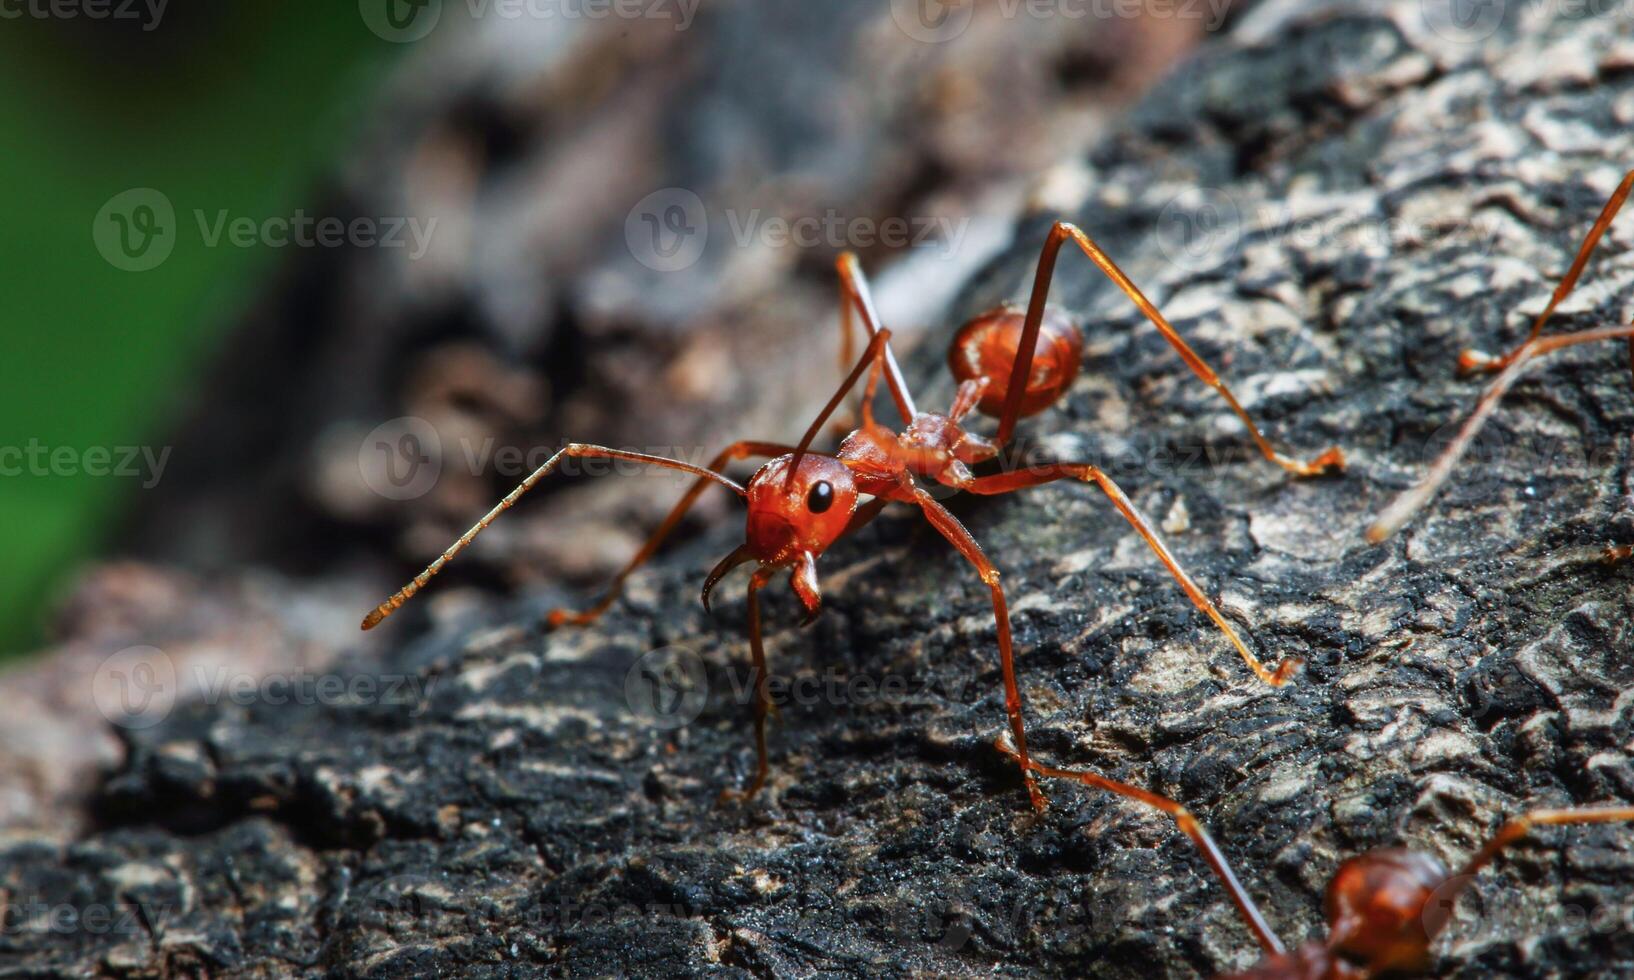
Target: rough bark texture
(1397, 194)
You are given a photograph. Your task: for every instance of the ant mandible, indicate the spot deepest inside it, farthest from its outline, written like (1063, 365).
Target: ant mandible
(1509, 367)
(1384, 907)
(1009, 364)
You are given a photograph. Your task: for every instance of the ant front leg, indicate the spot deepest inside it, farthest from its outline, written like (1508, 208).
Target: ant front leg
(1036, 476)
(736, 451)
(1188, 825)
(961, 539)
(762, 688)
(854, 292)
(1474, 360)
(1333, 459)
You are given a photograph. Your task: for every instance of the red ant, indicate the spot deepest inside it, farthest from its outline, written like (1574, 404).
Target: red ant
(1384, 907)
(1508, 367)
(1009, 364)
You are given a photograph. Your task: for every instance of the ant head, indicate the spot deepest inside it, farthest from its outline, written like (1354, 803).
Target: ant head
(800, 512)
(1379, 914)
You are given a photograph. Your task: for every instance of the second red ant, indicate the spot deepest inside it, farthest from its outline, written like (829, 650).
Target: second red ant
(1009, 364)
(1385, 908)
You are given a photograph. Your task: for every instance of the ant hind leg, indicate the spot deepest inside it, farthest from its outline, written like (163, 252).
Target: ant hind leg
(1188, 825)
(1331, 460)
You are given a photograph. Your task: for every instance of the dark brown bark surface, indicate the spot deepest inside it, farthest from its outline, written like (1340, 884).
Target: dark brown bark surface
(1330, 204)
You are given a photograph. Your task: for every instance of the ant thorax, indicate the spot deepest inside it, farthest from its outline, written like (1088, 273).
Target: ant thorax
(934, 446)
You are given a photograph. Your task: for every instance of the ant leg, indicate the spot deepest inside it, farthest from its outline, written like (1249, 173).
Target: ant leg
(846, 352)
(763, 702)
(961, 539)
(1332, 459)
(854, 290)
(874, 358)
(575, 450)
(1516, 829)
(1050, 472)
(1474, 360)
(736, 451)
(1402, 509)
(1189, 826)
(763, 695)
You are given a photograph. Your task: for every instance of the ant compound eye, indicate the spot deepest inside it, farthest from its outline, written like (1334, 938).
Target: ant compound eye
(820, 498)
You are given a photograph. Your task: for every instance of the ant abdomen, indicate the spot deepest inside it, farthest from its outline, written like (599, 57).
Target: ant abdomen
(986, 348)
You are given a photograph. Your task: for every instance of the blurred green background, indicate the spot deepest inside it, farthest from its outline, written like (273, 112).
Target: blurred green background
(232, 106)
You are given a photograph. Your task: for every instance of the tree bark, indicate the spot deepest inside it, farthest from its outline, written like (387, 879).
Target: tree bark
(1330, 204)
